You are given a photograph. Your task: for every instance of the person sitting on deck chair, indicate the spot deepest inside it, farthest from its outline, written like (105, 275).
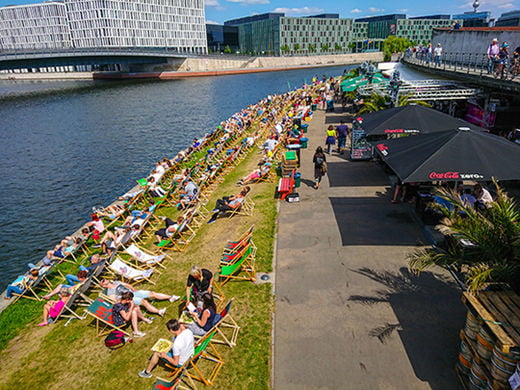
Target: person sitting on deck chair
(229, 203)
(125, 310)
(155, 190)
(255, 175)
(96, 226)
(170, 229)
(187, 194)
(72, 282)
(21, 282)
(200, 282)
(115, 288)
(182, 348)
(52, 309)
(205, 318)
(112, 211)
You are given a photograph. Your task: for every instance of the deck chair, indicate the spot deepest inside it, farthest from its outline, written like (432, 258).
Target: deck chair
(177, 379)
(206, 361)
(101, 310)
(231, 246)
(169, 243)
(248, 251)
(227, 329)
(78, 298)
(242, 268)
(31, 288)
(143, 257)
(246, 208)
(129, 273)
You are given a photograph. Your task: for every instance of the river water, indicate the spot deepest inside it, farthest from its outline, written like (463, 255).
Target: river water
(66, 146)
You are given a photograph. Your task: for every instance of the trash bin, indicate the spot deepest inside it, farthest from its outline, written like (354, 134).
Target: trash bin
(314, 107)
(303, 142)
(297, 179)
(305, 126)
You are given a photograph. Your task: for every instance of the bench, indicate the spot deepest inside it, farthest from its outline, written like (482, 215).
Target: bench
(286, 185)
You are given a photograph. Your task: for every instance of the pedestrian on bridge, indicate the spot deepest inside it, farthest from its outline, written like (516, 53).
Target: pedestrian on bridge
(492, 54)
(437, 53)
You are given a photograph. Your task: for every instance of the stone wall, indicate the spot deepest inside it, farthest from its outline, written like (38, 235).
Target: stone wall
(474, 41)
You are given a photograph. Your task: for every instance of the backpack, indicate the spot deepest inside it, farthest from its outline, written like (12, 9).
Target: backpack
(115, 340)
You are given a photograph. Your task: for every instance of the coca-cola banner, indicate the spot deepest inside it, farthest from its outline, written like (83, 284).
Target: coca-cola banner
(454, 176)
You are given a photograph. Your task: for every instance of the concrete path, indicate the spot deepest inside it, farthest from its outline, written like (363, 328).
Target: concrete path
(348, 313)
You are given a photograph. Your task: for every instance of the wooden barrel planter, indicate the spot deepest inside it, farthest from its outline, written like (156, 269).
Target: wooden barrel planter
(472, 326)
(503, 365)
(485, 344)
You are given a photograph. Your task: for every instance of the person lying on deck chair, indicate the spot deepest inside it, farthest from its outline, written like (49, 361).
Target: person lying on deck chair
(20, 284)
(229, 203)
(155, 190)
(182, 348)
(73, 282)
(255, 175)
(52, 309)
(112, 211)
(115, 288)
(170, 229)
(111, 241)
(65, 248)
(125, 310)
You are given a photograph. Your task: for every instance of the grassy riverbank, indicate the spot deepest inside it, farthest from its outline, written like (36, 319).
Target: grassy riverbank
(73, 357)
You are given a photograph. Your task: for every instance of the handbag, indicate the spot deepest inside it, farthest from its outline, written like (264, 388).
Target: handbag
(324, 167)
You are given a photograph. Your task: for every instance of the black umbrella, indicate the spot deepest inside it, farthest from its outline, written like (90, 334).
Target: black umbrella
(462, 154)
(410, 119)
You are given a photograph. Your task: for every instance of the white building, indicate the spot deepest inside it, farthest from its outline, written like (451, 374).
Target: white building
(178, 24)
(34, 26)
(174, 24)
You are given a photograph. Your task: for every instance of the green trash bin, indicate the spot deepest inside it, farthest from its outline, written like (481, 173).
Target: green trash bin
(303, 142)
(314, 107)
(297, 179)
(305, 126)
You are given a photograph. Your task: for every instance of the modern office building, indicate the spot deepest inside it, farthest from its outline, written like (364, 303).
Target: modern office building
(175, 24)
(420, 30)
(34, 26)
(381, 26)
(508, 19)
(474, 19)
(317, 34)
(219, 37)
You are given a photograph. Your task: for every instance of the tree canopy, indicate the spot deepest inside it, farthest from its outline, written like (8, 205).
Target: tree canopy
(393, 44)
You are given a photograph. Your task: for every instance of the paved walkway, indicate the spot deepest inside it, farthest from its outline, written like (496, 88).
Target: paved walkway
(348, 314)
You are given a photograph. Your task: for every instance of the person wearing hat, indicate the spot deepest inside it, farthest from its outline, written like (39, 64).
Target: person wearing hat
(492, 54)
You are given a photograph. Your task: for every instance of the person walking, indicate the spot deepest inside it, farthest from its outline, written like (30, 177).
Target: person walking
(320, 166)
(437, 53)
(331, 138)
(492, 54)
(429, 54)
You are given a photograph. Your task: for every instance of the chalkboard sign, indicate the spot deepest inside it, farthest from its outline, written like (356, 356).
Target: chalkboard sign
(360, 148)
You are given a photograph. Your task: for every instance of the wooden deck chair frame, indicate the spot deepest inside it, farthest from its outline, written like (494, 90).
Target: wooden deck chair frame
(246, 208)
(227, 328)
(205, 349)
(245, 238)
(177, 379)
(103, 326)
(78, 298)
(30, 289)
(245, 264)
(247, 251)
(126, 278)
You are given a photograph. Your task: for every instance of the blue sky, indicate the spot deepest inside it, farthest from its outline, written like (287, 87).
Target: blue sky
(221, 10)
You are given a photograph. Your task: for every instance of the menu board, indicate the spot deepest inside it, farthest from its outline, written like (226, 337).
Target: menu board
(360, 148)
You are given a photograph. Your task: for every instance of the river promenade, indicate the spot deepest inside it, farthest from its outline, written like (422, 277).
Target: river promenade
(348, 313)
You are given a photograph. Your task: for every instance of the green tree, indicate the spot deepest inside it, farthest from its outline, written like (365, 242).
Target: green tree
(312, 48)
(405, 100)
(325, 47)
(285, 49)
(227, 49)
(352, 46)
(393, 44)
(495, 231)
(337, 47)
(296, 46)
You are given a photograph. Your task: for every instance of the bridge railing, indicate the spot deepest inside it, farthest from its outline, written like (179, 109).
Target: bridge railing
(475, 63)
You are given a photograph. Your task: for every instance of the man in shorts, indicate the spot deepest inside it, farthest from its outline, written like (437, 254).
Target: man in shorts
(182, 348)
(341, 134)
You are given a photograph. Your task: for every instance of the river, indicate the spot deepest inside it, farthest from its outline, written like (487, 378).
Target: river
(67, 146)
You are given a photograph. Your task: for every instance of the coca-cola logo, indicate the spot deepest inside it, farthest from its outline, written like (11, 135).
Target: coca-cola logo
(454, 175)
(382, 148)
(394, 131)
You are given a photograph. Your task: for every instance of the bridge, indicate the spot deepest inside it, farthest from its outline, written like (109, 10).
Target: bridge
(41, 58)
(465, 67)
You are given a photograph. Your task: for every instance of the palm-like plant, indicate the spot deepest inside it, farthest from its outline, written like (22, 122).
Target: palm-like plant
(495, 232)
(405, 100)
(375, 102)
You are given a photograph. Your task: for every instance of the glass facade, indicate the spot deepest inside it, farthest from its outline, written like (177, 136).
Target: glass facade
(420, 30)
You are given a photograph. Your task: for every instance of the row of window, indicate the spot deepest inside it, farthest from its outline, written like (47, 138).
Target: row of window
(312, 34)
(134, 24)
(114, 33)
(8, 24)
(320, 22)
(34, 11)
(136, 42)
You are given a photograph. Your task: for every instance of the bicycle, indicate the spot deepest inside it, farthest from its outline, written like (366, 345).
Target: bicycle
(514, 69)
(501, 69)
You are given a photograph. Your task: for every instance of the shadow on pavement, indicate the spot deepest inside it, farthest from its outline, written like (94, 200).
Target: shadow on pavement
(375, 221)
(430, 315)
(355, 174)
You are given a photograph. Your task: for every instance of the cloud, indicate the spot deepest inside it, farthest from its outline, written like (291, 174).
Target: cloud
(506, 6)
(299, 11)
(374, 9)
(356, 11)
(212, 3)
(248, 2)
(211, 22)
(402, 10)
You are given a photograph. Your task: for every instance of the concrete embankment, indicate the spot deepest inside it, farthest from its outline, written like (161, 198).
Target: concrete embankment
(207, 66)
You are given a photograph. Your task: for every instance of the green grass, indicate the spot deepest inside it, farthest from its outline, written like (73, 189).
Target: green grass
(71, 356)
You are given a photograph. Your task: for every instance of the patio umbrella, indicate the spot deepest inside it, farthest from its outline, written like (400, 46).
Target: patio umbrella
(356, 82)
(410, 119)
(451, 155)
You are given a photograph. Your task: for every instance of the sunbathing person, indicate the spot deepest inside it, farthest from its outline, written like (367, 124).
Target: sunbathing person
(135, 215)
(182, 348)
(52, 309)
(130, 195)
(205, 318)
(62, 250)
(111, 240)
(72, 284)
(170, 229)
(20, 284)
(125, 310)
(114, 289)
(96, 226)
(200, 281)
(112, 211)
(255, 175)
(229, 203)
(154, 189)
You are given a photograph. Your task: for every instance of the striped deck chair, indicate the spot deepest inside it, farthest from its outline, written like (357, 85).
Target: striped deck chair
(101, 310)
(234, 246)
(31, 288)
(129, 273)
(242, 268)
(177, 379)
(201, 371)
(248, 251)
(227, 329)
(143, 257)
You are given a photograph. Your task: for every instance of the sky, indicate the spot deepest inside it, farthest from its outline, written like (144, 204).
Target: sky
(218, 11)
